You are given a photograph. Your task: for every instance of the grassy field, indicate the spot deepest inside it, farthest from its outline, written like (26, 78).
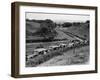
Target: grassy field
(81, 30)
(71, 57)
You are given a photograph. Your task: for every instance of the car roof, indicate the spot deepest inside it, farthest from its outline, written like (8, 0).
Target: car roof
(40, 49)
(54, 46)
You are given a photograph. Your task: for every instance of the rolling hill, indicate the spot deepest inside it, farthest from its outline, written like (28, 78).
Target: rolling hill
(81, 30)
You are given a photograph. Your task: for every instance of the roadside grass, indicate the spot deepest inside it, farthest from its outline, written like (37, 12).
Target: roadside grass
(75, 56)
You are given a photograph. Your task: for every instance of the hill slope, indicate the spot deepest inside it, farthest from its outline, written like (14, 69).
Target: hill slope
(81, 30)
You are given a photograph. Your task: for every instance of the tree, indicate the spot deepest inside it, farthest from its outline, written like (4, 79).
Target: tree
(48, 29)
(87, 21)
(67, 24)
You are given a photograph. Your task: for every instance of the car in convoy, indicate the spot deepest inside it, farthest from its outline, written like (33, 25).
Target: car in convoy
(70, 45)
(36, 52)
(53, 48)
(56, 48)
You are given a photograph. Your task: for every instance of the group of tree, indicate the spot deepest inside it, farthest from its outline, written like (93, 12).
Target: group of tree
(67, 24)
(47, 29)
(88, 23)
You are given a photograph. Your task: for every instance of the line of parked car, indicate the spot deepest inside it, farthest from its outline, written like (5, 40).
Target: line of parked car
(56, 48)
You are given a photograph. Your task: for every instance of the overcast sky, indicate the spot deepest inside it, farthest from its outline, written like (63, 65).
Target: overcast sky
(58, 17)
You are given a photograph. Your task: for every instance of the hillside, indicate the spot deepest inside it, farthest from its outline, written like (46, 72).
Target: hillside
(62, 35)
(32, 28)
(81, 30)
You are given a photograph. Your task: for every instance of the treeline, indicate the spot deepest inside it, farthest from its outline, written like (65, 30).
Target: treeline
(54, 24)
(69, 24)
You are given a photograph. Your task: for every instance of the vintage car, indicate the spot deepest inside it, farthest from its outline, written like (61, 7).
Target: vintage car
(36, 52)
(40, 51)
(70, 45)
(54, 47)
(63, 45)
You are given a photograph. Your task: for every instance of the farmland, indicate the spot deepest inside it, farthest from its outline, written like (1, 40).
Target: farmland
(78, 53)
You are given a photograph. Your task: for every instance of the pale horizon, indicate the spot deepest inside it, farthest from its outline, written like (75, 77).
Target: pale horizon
(58, 17)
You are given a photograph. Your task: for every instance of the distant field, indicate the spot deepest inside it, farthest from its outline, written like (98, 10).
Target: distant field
(81, 30)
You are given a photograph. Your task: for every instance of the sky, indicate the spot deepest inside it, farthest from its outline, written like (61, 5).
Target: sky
(58, 17)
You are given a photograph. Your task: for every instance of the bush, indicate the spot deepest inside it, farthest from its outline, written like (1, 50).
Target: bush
(67, 24)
